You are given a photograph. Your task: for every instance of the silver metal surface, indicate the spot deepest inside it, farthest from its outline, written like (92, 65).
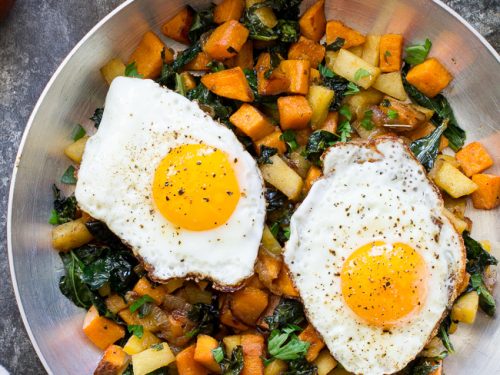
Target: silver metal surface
(76, 89)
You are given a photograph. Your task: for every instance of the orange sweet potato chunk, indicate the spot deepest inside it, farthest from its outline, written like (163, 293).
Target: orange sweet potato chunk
(474, 159)
(177, 28)
(313, 21)
(310, 335)
(336, 29)
(114, 361)
(101, 331)
(247, 304)
(314, 76)
(229, 83)
(144, 287)
(253, 351)
(229, 10)
(307, 49)
(391, 51)
(430, 77)
(186, 364)
(313, 174)
(272, 140)
(284, 283)
(203, 353)
(276, 84)
(295, 112)
(227, 318)
(226, 40)
(147, 56)
(244, 58)
(297, 72)
(487, 195)
(199, 63)
(252, 122)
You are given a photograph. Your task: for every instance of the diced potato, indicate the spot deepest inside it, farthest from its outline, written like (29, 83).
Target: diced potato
(454, 182)
(426, 111)
(330, 58)
(152, 359)
(173, 284)
(459, 224)
(371, 49)
(75, 150)
(113, 68)
(358, 51)
(325, 362)
(299, 162)
(465, 308)
(194, 294)
(340, 371)
(453, 328)
(392, 85)
(276, 367)
(265, 14)
(313, 174)
(70, 235)
(433, 348)
(355, 69)
(319, 98)
(269, 242)
(282, 177)
(231, 342)
(136, 345)
(359, 103)
(113, 362)
(486, 245)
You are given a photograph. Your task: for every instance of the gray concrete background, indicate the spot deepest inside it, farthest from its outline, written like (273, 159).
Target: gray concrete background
(34, 39)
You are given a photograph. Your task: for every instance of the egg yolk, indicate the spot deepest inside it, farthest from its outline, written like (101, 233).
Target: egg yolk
(383, 284)
(195, 187)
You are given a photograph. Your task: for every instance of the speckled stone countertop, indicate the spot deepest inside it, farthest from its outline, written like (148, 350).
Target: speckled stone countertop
(34, 39)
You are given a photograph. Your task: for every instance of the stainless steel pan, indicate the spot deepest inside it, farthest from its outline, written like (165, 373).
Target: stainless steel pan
(76, 89)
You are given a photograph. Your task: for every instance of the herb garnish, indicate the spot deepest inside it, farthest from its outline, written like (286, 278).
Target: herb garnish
(288, 136)
(131, 71)
(285, 345)
(234, 364)
(78, 133)
(136, 330)
(366, 121)
(218, 354)
(351, 89)
(68, 177)
(140, 302)
(416, 53)
(361, 73)
(392, 114)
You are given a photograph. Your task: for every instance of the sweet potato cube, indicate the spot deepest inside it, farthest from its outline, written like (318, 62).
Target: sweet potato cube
(454, 182)
(285, 284)
(272, 140)
(253, 351)
(391, 50)
(310, 335)
(487, 195)
(203, 353)
(313, 174)
(230, 83)
(295, 112)
(268, 266)
(244, 58)
(113, 362)
(331, 122)
(247, 304)
(430, 77)
(307, 49)
(147, 56)
(177, 28)
(199, 63)
(314, 76)
(297, 72)
(276, 83)
(252, 122)
(227, 318)
(474, 159)
(100, 330)
(336, 29)
(144, 287)
(187, 365)
(229, 10)
(226, 40)
(313, 21)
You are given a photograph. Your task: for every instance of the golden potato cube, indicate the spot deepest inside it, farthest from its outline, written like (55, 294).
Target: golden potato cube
(371, 50)
(75, 150)
(330, 57)
(325, 362)
(231, 342)
(355, 69)
(465, 308)
(359, 103)
(459, 224)
(276, 367)
(269, 242)
(319, 98)
(454, 182)
(70, 235)
(282, 177)
(113, 68)
(152, 359)
(392, 85)
(486, 245)
(265, 14)
(358, 50)
(136, 345)
(173, 284)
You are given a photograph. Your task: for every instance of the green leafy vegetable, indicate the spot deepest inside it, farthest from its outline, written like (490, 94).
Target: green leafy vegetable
(426, 149)
(265, 155)
(157, 347)
(210, 103)
(136, 330)
(218, 354)
(285, 345)
(366, 121)
(68, 177)
(392, 114)
(486, 300)
(443, 334)
(351, 89)
(420, 366)
(336, 45)
(361, 73)
(203, 21)
(186, 56)
(416, 53)
(206, 317)
(317, 143)
(325, 71)
(344, 131)
(288, 311)
(139, 302)
(340, 87)
(65, 209)
(287, 31)
(346, 112)
(234, 364)
(131, 71)
(78, 133)
(288, 136)
(215, 66)
(97, 117)
(275, 199)
(179, 85)
(442, 111)
(301, 367)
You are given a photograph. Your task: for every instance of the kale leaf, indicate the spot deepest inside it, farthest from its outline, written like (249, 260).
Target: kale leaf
(288, 136)
(234, 364)
(301, 367)
(206, 317)
(420, 366)
(337, 44)
(186, 56)
(210, 103)
(275, 199)
(317, 143)
(287, 31)
(265, 154)
(426, 149)
(339, 86)
(203, 21)
(97, 117)
(288, 311)
(443, 334)
(65, 209)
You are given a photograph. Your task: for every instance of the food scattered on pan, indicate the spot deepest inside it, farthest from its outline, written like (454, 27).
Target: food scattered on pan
(284, 194)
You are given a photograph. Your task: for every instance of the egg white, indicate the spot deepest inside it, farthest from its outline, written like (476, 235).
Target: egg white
(141, 123)
(371, 191)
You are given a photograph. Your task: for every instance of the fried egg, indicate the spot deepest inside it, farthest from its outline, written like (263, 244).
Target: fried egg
(173, 184)
(374, 259)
